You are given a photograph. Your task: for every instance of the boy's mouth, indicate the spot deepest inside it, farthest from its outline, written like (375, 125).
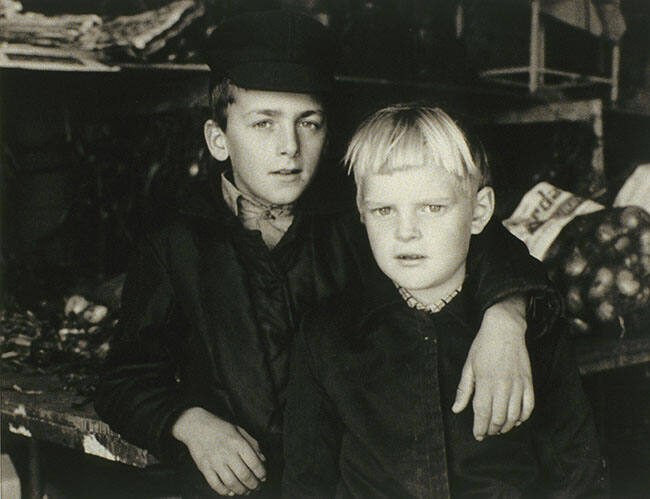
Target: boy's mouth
(287, 171)
(409, 258)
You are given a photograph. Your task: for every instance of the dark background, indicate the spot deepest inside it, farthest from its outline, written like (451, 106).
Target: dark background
(86, 157)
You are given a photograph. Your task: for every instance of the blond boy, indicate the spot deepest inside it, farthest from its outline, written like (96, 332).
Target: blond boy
(375, 372)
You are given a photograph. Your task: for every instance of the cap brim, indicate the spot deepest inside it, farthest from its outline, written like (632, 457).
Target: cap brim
(280, 77)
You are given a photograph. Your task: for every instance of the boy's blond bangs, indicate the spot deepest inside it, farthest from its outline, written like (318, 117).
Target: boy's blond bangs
(410, 136)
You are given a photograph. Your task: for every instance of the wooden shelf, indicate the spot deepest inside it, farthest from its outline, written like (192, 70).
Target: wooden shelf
(38, 407)
(604, 354)
(165, 66)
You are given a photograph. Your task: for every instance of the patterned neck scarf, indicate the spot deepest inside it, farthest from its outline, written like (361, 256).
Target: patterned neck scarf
(272, 221)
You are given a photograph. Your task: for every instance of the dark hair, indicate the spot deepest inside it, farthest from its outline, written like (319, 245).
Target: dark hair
(222, 94)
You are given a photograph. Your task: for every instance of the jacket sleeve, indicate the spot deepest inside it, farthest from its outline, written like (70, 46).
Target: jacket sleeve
(500, 266)
(564, 433)
(138, 395)
(312, 430)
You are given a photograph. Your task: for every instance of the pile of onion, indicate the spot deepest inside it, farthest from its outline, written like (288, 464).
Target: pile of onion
(601, 263)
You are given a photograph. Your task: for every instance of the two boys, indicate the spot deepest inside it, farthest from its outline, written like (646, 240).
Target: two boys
(216, 290)
(369, 411)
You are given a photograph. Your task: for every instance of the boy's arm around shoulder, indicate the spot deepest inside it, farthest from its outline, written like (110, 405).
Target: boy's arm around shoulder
(504, 280)
(500, 266)
(138, 395)
(312, 429)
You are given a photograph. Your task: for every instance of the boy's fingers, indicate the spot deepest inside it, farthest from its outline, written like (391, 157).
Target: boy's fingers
(252, 443)
(482, 412)
(252, 460)
(249, 439)
(514, 408)
(230, 480)
(465, 389)
(529, 402)
(244, 474)
(500, 401)
(215, 482)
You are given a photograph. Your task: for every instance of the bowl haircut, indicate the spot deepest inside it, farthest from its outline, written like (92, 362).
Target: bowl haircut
(404, 136)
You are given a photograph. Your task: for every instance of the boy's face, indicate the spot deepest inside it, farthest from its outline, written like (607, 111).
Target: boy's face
(419, 224)
(274, 141)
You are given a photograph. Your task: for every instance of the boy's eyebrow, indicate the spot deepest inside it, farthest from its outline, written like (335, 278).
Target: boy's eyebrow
(433, 200)
(375, 201)
(274, 113)
(312, 112)
(438, 199)
(265, 112)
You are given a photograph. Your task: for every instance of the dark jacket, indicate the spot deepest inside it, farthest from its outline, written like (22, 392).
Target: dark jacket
(369, 408)
(209, 315)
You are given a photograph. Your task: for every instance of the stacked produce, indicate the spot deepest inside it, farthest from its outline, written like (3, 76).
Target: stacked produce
(601, 262)
(598, 256)
(69, 338)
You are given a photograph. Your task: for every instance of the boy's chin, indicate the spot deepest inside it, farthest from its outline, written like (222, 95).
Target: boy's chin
(417, 288)
(282, 200)
(285, 196)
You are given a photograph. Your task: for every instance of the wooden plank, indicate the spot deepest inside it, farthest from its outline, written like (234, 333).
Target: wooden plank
(585, 110)
(602, 354)
(38, 407)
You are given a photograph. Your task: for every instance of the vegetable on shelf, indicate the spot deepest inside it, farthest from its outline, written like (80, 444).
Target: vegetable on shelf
(601, 263)
(69, 338)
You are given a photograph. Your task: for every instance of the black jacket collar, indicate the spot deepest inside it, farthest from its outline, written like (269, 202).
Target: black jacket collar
(379, 293)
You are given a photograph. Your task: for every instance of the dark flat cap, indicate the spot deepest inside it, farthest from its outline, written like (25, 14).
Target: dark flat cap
(274, 50)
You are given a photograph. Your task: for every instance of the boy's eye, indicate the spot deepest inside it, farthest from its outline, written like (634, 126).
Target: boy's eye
(432, 208)
(382, 211)
(263, 124)
(313, 125)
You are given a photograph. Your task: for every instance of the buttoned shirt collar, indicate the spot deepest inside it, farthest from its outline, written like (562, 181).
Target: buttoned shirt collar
(433, 308)
(273, 221)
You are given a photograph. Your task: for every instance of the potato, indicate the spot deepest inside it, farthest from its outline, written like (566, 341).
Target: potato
(602, 283)
(575, 264)
(75, 304)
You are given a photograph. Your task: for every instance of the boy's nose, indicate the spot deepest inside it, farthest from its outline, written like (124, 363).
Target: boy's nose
(288, 142)
(407, 228)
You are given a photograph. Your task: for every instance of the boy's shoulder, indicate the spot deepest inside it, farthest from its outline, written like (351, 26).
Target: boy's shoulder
(341, 308)
(173, 233)
(333, 323)
(199, 205)
(344, 320)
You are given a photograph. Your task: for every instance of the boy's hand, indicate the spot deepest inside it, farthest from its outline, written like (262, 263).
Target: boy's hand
(498, 370)
(229, 458)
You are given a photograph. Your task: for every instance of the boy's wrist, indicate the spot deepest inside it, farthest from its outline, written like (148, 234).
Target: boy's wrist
(510, 310)
(185, 422)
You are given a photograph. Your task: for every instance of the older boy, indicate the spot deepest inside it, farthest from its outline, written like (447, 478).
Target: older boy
(369, 407)
(215, 294)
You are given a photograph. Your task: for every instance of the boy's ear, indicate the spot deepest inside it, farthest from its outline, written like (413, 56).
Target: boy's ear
(215, 140)
(483, 209)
